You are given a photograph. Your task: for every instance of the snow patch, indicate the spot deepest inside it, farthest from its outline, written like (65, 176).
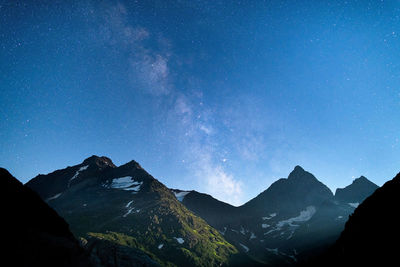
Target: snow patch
(179, 240)
(126, 183)
(272, 215)
(246, 249)
(54, 197)
(135, 188)
(77, 174)
(252, 236)
(128, 212)
(304, 216)
(354, 205)
(264, 225)
(288, 224)
(129, 203)
(160, 246)
(181, 195)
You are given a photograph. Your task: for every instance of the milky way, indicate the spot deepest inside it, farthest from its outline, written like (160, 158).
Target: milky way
(216, 96)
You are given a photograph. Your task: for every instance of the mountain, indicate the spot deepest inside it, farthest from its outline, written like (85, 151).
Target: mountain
(328, 222)
(300, 190)
(371, 234)
(33, 233)
(213, 211)
(289, 221)
(124, 217)
(360, 189)
(125, 208)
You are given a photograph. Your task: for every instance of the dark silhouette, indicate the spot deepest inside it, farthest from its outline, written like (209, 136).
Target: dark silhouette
(35, 235)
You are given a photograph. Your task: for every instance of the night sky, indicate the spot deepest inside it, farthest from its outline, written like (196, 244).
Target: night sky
(223, 97)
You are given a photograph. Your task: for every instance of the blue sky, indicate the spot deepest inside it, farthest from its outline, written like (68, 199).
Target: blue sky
(223, 97)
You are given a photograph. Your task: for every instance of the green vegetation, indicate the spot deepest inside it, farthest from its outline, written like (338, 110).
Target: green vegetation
(151, 220)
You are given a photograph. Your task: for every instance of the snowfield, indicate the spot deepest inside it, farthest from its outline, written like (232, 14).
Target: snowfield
(289, 225)
(304, 216)
(126, 183)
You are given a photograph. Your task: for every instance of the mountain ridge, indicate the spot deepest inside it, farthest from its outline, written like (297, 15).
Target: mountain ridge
(307, 199)
(370, 233)
(127, 206)
(280, 225)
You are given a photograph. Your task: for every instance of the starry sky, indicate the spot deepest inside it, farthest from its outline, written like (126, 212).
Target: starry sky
(223, 97)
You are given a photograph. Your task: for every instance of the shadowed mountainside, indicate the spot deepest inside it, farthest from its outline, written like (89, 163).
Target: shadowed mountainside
(371, 234)
(35, 235)
(126, 206)
(291, 220)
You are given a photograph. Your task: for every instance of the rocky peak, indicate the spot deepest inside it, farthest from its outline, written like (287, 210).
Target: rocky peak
(357, 191)
(299, 190)
(362, 180)
(299, 174)
(99, 161)
(132, 164)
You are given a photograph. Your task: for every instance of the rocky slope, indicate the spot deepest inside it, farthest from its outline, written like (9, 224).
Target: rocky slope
(294, 217)
(126, 206)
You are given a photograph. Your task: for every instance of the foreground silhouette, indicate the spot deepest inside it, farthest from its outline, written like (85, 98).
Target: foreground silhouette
(371, 234)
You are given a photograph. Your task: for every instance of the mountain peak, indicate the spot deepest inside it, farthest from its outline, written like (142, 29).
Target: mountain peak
(299, 173)
(99, 161)
(132, 164)
(361, 179)
(298, 168)
(357, 191)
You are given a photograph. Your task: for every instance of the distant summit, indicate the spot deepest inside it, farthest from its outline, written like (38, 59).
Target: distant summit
(298, 168)
(298, 191)
(371, 233)
(359, 189)
(99, 161)
(288, 222)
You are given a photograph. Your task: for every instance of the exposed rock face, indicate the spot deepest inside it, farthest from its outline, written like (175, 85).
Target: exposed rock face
(35, 235)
